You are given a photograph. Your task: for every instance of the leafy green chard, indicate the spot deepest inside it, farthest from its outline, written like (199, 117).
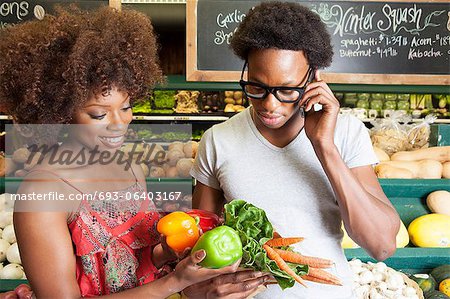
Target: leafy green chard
(255, 229)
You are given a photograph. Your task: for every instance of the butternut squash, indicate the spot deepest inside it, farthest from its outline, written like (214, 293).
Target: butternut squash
(438, 153)
(446, 170)
(439, 202)
(385, 171)
(2, 166)
(424, 169)
(381, 155)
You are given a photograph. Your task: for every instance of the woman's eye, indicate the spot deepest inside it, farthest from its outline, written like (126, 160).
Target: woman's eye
(127, 108)
(98, 117)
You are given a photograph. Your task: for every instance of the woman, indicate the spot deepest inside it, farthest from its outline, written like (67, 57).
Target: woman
(86, 70)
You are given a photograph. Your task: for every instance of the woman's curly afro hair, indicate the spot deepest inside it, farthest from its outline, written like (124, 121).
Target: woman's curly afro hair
(49, 68)
(286, 26)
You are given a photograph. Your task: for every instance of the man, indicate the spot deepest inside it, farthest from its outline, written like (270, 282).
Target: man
(309, 170)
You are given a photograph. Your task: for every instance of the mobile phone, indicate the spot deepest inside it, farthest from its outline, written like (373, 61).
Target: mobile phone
(301, 110)
(310, 79)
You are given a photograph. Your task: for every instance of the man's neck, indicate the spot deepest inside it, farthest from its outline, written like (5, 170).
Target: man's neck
(281, 137)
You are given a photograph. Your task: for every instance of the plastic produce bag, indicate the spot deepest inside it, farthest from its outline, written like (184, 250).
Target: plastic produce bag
(390, 134)
(419, 134)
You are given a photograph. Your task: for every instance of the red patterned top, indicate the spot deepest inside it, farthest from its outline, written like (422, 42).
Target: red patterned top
(113, 243)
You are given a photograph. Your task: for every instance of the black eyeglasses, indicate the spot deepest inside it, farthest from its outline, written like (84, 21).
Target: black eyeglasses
(283, 94)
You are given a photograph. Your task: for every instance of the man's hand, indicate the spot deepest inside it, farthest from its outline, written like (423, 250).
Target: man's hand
(228, 286)
(320, 125)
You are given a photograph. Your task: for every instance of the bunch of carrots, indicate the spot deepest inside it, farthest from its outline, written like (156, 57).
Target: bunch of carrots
(315, 264)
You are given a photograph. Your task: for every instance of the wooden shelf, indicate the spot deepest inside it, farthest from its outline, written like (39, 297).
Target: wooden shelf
(178, 82)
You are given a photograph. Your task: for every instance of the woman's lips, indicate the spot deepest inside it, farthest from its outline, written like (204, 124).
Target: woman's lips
(113, 142)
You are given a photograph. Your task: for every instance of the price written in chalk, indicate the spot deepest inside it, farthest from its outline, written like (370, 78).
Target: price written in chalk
(388, 52)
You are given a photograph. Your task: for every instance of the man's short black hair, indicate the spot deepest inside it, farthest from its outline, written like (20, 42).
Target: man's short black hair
(286, 26)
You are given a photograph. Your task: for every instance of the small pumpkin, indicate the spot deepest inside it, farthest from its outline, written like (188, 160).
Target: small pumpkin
(426, 282)
(441, 273)
(444, 286)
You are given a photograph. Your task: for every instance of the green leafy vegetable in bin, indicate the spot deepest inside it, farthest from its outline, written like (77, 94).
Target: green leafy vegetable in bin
(390, 97)
(376, 104)
(403, 105)
(363, 96)
(403, 97)
(142, 107)
(363, 104)
(377, 96)
(197, 134)
(350, 99)
(390, 105)
(145, 134)
(175, 136)
(164, 99)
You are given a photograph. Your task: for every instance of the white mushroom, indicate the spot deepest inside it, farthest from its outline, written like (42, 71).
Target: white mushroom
(365, 277)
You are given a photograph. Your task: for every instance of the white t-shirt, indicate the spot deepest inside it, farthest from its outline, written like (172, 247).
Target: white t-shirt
(290, 185)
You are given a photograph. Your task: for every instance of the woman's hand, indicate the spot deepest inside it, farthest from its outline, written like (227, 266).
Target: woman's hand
(233, 285)
(188, 272)
(163, 254)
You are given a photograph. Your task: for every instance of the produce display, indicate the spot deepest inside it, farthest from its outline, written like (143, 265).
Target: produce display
(429, 231)
(2, 164)
(436, 284)
(211, 102)
(163, 99)
(174, 162)
(416, 105)
(234, 98)
(439, 202)
(234, 101)
(393, 134)
(18, 165)
(10, 262)
(378, 281)
(186, 101)
(427, 163)
(230, 108)
(141, 107)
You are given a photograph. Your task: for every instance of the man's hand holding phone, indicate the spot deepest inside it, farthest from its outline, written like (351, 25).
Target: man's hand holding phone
(320, 125)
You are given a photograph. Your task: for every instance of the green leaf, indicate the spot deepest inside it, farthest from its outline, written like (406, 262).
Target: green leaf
(255, 230)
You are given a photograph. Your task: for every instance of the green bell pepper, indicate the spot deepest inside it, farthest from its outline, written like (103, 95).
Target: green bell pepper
(223, 247)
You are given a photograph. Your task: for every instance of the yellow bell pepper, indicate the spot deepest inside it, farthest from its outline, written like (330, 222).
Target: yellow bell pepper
(180, 230)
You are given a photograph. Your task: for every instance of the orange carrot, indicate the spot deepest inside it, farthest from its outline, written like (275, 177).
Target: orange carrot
(297, 258)
(313, 279)
(278, 242)
(282, 264)
(276, 235)
(323, 275)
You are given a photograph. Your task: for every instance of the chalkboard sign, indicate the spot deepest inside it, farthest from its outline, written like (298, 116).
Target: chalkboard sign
(374, 42)
(13, 12)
